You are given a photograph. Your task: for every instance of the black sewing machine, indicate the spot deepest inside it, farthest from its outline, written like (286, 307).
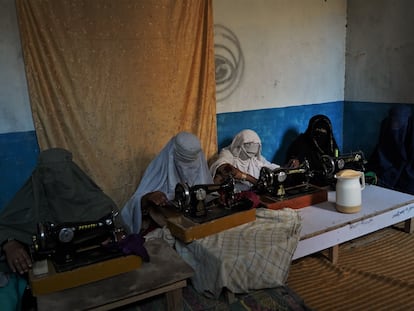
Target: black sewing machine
(205, 202)
(272, 182)
(75, 244)
(275, 193)
(332, 165)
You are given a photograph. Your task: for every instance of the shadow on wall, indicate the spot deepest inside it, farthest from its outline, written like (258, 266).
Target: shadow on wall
(287, 139)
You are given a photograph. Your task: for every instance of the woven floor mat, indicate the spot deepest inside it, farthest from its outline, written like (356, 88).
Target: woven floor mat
(374, 272)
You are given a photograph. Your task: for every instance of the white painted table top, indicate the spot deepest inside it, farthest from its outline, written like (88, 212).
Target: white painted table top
(323, 217)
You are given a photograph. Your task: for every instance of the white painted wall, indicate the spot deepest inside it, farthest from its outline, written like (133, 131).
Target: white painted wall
(291, 51)
(380, 51)
(15, 113)
(288, 52)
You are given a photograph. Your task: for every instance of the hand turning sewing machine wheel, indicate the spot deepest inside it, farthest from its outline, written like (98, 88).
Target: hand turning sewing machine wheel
(226, 171)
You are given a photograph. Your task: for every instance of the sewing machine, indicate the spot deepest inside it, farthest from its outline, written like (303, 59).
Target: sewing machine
(332, 165)
(205, 202)
(75, 244)
(276, 194)
(206, 209)
(272, 182)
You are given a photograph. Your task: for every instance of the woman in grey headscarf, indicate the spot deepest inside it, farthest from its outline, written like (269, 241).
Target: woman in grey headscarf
(242, 159)
(58, 191)
(180, 161)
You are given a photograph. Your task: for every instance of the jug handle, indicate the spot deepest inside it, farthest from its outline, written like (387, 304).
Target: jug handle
(362, 177)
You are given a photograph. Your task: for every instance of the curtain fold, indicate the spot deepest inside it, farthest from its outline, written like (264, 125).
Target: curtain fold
(113, 81)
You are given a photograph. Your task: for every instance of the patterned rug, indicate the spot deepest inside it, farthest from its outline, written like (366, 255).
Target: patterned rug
(280, 299)
(275, 299)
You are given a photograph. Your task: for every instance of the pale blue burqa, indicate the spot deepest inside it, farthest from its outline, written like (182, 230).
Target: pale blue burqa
(180, 161)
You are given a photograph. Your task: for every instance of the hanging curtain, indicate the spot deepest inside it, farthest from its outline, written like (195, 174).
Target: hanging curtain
(113, 81)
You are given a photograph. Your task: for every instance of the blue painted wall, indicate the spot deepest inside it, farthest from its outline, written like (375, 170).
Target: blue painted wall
(356, 127)
(278, 127)
(362, 121)
(18, 157)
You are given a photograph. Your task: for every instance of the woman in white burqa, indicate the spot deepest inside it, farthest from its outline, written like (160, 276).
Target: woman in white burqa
(251, 256)
(180, 161)
(242, 159)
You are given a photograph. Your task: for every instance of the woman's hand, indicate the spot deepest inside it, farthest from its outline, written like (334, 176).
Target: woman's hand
(227, 170)
(293, 163)
(17, 256)
(156, 198)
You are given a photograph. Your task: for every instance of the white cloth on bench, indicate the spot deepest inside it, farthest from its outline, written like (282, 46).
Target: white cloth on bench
(248, 257)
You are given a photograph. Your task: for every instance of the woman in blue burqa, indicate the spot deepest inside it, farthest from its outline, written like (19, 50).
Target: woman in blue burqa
(180, 161)
(393, 156)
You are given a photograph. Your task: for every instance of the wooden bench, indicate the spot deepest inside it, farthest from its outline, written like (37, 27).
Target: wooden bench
(166, 273)
(323, 227)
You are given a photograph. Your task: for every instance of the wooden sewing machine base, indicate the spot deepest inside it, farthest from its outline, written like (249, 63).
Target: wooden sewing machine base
(296, 197)
(53, 281)
(188, 230)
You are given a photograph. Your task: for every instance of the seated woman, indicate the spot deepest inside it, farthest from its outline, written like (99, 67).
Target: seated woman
(180, 161)
(316, 141)
(57, 191)
(393, 156)
(242, 159)
(235, 258)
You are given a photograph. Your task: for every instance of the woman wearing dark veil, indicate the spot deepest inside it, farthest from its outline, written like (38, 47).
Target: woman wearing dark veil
(392, 159)
(316, 141)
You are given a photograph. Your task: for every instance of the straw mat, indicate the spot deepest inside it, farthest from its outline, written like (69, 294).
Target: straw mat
(374, 272)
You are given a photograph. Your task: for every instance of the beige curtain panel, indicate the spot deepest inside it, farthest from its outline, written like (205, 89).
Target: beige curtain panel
(113, 81)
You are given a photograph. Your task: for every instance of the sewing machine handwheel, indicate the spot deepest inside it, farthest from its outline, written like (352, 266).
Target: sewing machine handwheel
(182, 195)
(265, 182)
(42, 236)
(329, 165)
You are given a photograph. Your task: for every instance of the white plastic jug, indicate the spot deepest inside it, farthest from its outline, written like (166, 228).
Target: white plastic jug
(349, 186)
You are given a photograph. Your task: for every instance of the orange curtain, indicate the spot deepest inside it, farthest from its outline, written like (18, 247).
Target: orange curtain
(113, 81)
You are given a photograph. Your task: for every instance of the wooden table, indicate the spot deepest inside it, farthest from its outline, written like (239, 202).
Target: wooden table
(166, 273)
(323, 227)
